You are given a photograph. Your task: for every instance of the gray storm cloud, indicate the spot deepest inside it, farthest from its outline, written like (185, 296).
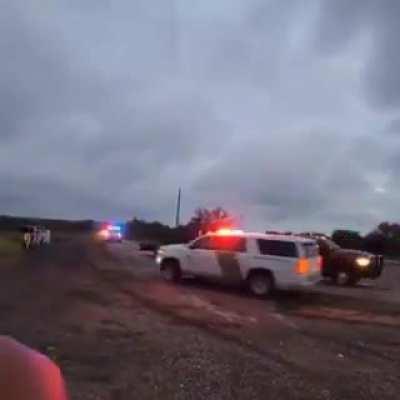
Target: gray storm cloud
(280, 111)
(341, 22)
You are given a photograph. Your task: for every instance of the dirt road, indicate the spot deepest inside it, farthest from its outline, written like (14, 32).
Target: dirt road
(119, 332)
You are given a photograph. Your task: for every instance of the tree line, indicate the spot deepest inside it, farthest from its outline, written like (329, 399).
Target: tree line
(384, 239)
(203, 220)
(11, 223)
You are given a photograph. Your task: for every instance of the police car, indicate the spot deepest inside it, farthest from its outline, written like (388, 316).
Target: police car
(262, 262)
(111, 233)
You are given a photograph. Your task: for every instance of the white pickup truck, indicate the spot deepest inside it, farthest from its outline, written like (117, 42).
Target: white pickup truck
(261, 262)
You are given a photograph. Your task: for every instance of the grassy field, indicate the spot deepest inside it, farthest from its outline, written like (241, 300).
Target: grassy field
(10, 243)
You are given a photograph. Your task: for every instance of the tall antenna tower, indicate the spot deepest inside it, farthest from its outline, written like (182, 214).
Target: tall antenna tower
(174, 34)
(178, 208)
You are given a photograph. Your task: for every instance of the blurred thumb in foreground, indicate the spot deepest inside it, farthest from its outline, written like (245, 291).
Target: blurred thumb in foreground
(25, 374)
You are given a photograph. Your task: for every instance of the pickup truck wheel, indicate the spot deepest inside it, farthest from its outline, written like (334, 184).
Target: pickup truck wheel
(171, 271)
(260, 284)
(345, 278)
(353, 281)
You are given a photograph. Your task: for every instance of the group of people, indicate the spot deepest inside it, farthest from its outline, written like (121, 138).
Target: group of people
(35, 236)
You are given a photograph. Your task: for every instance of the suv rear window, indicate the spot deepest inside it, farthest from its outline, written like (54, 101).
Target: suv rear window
(310, 249)
(228, 243)
(277, 248)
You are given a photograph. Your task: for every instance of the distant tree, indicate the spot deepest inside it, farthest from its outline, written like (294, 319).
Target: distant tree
(390, 233)
(15, 223)
(347, 239)
(389, 230)
(156, 232)
(385, 239)
(205, 220)
(375, 242)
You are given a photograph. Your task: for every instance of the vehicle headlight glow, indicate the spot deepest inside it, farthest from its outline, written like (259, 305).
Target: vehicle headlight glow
(104, 233)
(363, 261)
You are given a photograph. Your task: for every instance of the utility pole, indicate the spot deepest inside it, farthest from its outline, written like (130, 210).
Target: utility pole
(174, 35)
(178, 208)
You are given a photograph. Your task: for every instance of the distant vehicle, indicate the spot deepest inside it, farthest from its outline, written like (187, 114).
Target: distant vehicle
(149, 246)
(348, 267)
(111, 233)
(261, 262)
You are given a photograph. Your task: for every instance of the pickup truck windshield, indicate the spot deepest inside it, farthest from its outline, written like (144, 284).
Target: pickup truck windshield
(331, 244)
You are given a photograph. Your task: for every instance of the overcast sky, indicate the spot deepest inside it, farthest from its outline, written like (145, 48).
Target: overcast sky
(284, 112)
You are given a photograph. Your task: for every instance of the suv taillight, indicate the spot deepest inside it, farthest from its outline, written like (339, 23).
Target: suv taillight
(303, 266)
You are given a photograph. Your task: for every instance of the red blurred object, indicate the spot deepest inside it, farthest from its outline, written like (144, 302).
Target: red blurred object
(320, 262)
(223, 224)
(228, 231)
(28, 375)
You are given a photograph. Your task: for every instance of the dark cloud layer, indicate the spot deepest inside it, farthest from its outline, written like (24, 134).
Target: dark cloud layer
(375, 22)
(280, 111)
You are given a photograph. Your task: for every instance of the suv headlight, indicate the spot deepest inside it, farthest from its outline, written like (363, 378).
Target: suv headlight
(363, 261)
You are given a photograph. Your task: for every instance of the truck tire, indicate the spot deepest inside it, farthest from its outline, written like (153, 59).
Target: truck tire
(260, 283)
(171, 271)
(345, 278)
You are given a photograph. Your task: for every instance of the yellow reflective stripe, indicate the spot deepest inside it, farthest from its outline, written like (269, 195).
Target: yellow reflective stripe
(229, 266)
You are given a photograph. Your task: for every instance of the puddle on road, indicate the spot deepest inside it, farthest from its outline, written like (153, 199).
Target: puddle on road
(228, 316)
(196, 307)
(284, 320)
(337, 314)
(88, 295)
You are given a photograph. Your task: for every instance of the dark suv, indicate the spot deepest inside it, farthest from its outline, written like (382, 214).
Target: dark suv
(345, 266)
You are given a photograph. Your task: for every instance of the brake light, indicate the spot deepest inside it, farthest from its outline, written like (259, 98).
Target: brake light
(320, 262)
(303, 266)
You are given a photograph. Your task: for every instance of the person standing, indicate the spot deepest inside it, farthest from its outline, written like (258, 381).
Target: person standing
(47, 236)
(27, 237)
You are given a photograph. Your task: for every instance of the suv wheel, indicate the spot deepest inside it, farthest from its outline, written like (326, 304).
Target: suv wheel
(260, 284)
(171, 271)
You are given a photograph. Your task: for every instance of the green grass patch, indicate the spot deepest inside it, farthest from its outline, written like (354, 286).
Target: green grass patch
(10, 243)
